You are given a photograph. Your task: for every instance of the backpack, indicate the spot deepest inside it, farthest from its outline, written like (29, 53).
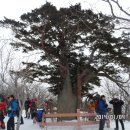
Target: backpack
(97, 98)
(3, 105)
(39, 115)
(97, 106)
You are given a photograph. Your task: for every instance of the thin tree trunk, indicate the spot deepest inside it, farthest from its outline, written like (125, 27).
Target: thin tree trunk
(21, 105)
(18, 121)
(129, 110)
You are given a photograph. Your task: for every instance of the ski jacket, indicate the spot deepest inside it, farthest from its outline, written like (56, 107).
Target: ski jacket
(102, 107)
(27, 104)
(12, 107)
(117, 106)
(3, 106)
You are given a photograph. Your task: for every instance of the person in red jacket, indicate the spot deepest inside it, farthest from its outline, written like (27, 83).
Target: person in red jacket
(33, 109)
(3, 106)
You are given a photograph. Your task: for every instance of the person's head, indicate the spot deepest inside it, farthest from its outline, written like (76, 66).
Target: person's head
(103, 97)
(11, 97)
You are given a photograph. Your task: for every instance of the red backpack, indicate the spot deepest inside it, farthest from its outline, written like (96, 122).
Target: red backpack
(97, 106)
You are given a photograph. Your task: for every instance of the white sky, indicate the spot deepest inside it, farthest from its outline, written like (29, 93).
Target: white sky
(14, 8)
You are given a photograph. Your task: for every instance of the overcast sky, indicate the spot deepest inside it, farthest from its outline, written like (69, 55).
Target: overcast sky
(14, 8)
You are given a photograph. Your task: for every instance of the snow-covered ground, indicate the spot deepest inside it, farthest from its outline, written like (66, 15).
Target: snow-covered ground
(28, 125)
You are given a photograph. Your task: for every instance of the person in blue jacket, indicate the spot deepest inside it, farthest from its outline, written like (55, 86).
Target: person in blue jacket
(102, 109)
(12, 107)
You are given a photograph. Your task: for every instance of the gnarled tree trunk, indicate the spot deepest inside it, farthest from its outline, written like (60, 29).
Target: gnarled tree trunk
(67, 101)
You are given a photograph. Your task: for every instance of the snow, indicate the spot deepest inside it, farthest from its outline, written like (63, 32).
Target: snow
(28, 125)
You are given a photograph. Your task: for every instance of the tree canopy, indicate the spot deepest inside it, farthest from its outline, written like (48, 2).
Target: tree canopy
(71, 40)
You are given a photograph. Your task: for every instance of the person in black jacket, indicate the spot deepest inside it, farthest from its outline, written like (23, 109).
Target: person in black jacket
(117, 110)
(27, 106)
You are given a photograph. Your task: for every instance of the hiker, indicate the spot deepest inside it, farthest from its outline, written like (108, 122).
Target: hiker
(3, 106)
(2, 124)
(33, 109)
(91, 106)
(91, 109)
(12, 107)
(27, 106)
(117, 110)
(101, 109)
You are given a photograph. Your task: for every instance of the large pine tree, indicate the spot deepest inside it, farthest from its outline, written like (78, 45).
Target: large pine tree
(79, 46)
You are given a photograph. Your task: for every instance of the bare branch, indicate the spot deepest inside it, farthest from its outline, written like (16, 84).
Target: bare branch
(119, 83)
(122, 28)
(121, 8)
(112, 10)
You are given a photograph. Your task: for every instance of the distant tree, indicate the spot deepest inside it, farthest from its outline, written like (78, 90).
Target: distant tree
(78, 46)
(122, 20)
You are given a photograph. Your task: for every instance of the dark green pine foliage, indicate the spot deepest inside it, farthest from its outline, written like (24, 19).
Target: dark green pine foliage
(70, 38)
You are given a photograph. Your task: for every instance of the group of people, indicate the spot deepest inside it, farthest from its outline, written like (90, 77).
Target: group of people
(32, 111)
(10, 106)
(30, 108)
(102, 109)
